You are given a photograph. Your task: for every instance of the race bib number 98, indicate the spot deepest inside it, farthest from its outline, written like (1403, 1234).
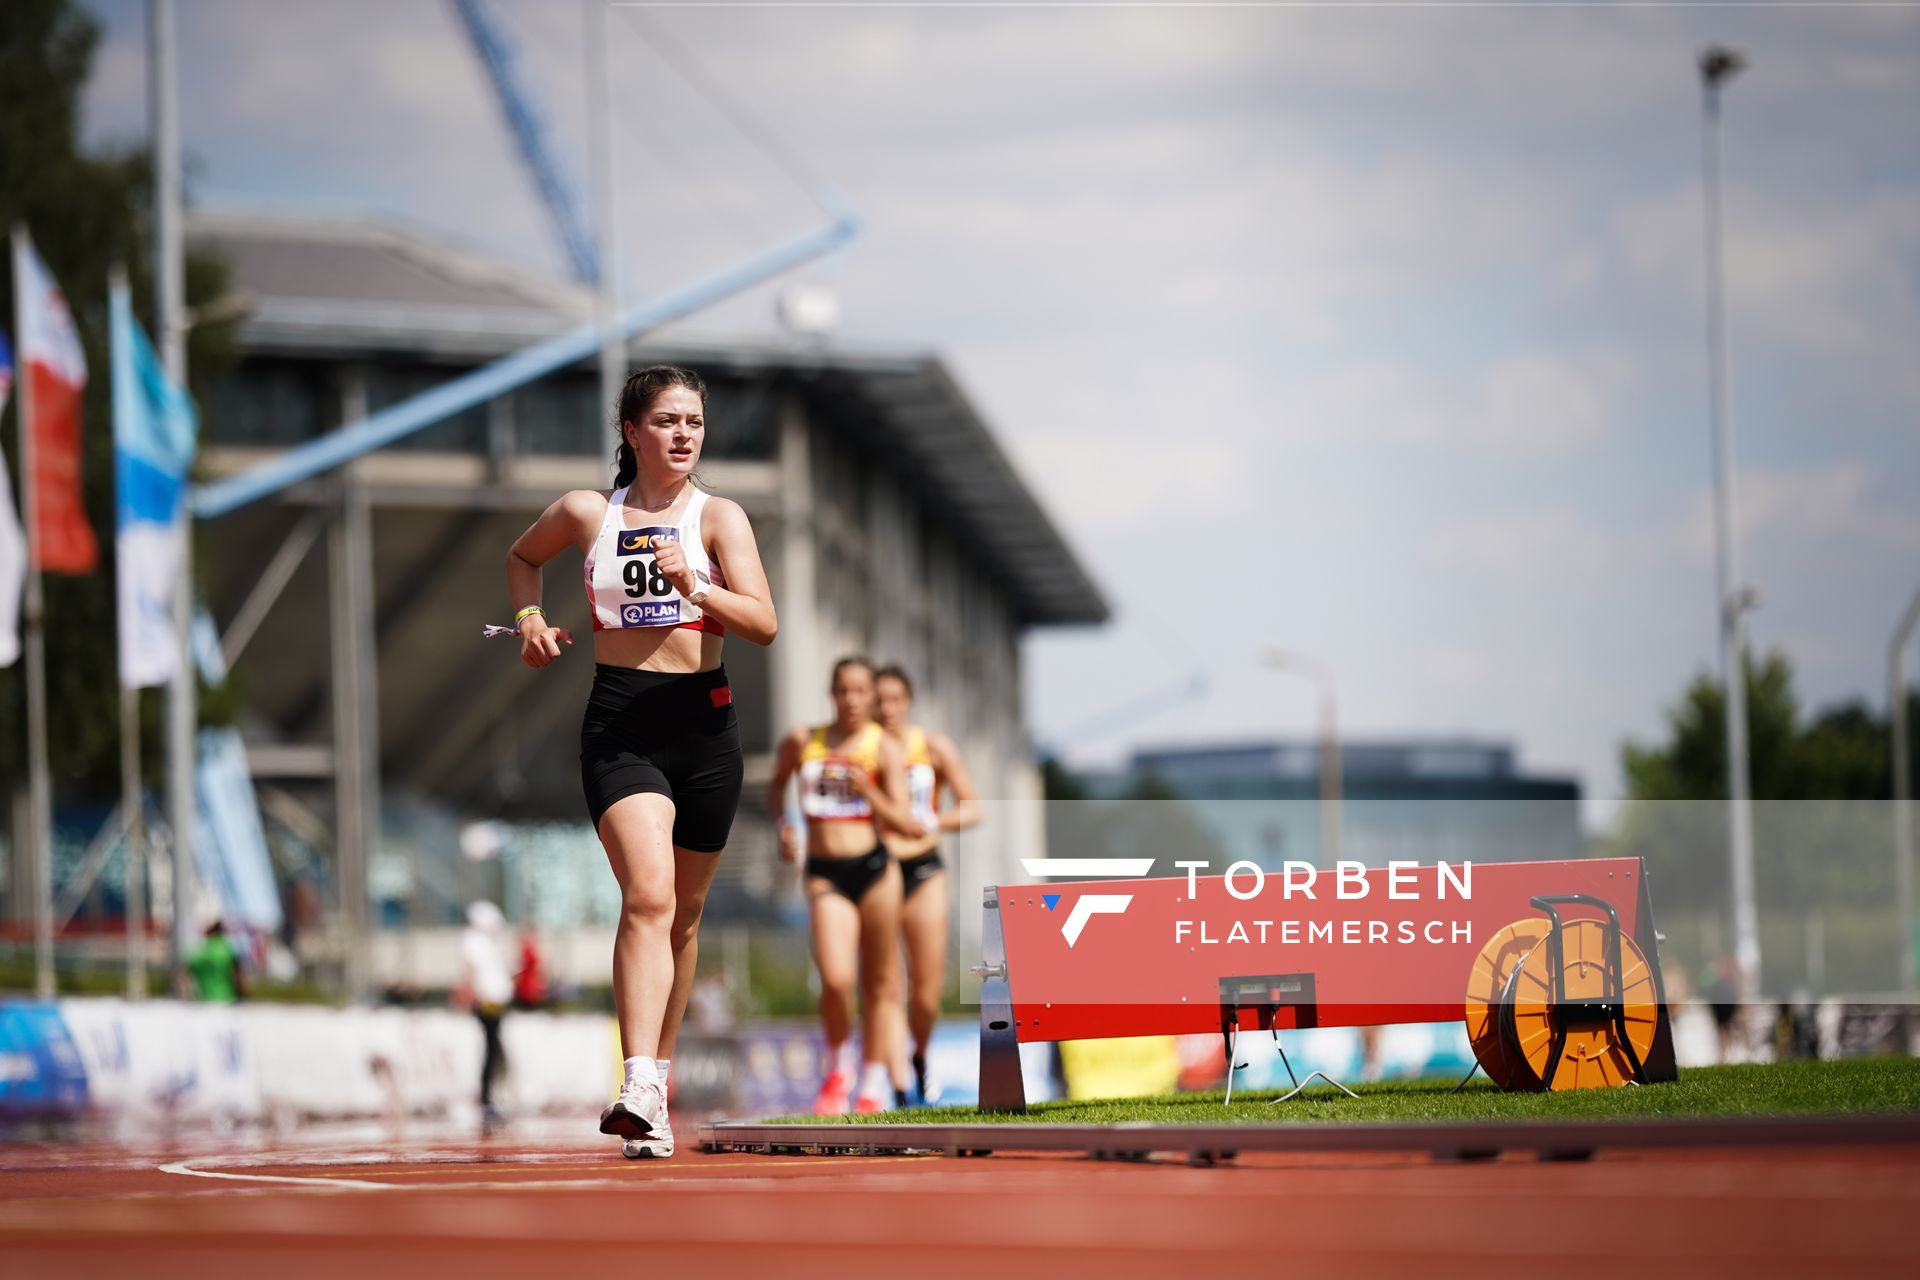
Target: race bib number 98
(650, 599)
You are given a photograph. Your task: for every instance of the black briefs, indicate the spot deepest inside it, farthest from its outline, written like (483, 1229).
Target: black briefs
(852, 877)
(919, 869)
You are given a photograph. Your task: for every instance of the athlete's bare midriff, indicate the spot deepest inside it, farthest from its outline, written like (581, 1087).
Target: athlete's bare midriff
(841, 839)
(680, 650)
(912, 847)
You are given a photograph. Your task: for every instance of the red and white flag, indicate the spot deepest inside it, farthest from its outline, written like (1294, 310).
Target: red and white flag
(13, 539)
(53, 376)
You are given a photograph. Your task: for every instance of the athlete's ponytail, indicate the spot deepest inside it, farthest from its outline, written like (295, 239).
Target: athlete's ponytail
(643, 386)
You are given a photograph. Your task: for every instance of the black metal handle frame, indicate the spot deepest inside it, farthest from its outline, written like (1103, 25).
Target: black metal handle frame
(1615, 977)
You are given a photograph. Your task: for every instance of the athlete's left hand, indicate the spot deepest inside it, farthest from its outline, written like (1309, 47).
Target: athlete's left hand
(673, 566)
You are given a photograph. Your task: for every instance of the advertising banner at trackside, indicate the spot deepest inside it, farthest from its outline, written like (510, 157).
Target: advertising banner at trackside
(41, 1072)
(1345, 946)
(165, 1062)
(192, 1063)
(195, 1065)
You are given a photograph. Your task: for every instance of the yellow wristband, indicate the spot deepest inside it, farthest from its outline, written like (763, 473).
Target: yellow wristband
(519, 617)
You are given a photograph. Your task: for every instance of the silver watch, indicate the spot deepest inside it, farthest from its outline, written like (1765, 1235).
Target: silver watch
(702, 588)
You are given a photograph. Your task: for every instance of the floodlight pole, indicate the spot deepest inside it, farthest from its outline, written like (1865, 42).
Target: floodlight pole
(1321, 677)
(1732, 599)
(1908, 943)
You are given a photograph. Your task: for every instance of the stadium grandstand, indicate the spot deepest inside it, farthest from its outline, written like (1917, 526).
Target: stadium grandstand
(891, 522)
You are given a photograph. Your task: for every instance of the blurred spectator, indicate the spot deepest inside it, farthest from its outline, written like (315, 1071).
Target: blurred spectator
(215, 968)
(489, 986)
(1723, 997)
(1796, 1028)
(303, 910)
(530, 983)
(1369, 1054)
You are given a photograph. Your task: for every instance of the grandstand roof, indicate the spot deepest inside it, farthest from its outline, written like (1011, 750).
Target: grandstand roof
(339, 288)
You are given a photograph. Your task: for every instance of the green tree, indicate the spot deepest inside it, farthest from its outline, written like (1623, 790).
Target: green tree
(1057, 782)
(87, 212)
(1843, 753)
(1152, 820)
(1846, 753)
(1692, 763)
(1819, 854)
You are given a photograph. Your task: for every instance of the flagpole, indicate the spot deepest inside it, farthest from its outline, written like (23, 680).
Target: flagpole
(136, 838)
(39, 785)
(169, 279)
(132, 805)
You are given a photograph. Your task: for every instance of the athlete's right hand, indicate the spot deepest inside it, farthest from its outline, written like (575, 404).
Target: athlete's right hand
(540, 643)
(789, 843)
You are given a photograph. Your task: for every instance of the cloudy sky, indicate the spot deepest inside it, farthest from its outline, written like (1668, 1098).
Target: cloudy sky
(1377, 333)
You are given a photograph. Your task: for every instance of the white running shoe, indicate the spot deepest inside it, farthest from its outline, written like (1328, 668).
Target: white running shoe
(657, 1147)
(639, 1112)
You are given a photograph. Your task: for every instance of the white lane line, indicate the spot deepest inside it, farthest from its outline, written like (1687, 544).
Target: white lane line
(273, 1159)
(185, 1169)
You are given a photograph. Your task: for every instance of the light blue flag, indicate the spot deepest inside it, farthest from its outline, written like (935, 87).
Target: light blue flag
(154, 432)
(233, 855)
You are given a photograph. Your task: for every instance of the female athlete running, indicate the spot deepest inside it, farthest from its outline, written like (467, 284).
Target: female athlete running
(669, 570)
(852, 779)
(933, 764)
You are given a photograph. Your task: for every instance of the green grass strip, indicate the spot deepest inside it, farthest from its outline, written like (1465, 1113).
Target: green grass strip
(1786, 1088)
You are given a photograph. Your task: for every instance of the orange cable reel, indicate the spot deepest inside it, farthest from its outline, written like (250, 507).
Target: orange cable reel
(1486, 982)
(1586, 1026)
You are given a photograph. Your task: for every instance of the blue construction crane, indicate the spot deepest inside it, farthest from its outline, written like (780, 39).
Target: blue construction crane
(416, 413)
(495, 50)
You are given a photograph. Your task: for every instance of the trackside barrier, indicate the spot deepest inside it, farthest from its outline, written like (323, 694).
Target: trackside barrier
(1167, 956)
(167, 1062)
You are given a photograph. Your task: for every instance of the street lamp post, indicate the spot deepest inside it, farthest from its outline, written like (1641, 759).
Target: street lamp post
(1903, 803)
(1321, 677)
(1718, 65)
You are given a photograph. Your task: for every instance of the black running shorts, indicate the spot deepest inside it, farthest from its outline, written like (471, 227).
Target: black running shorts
(919, 869)
(672, 735)
(852, 877)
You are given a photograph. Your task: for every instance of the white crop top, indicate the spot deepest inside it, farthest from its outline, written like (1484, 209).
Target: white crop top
(624, 583)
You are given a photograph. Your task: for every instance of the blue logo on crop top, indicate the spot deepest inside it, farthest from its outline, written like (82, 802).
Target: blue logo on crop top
(651, 613)
(640, 542)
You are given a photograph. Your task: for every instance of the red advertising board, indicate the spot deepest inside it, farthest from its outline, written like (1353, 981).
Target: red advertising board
(1089, 960)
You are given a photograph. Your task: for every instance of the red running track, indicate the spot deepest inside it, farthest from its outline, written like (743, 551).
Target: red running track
(450, 1211)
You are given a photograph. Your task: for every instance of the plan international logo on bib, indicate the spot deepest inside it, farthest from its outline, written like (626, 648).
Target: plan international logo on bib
(1087, 905)
(651, 614)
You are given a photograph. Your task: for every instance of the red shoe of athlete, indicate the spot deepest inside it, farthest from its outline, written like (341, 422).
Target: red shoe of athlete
(868, 1105)
(832, 1098)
